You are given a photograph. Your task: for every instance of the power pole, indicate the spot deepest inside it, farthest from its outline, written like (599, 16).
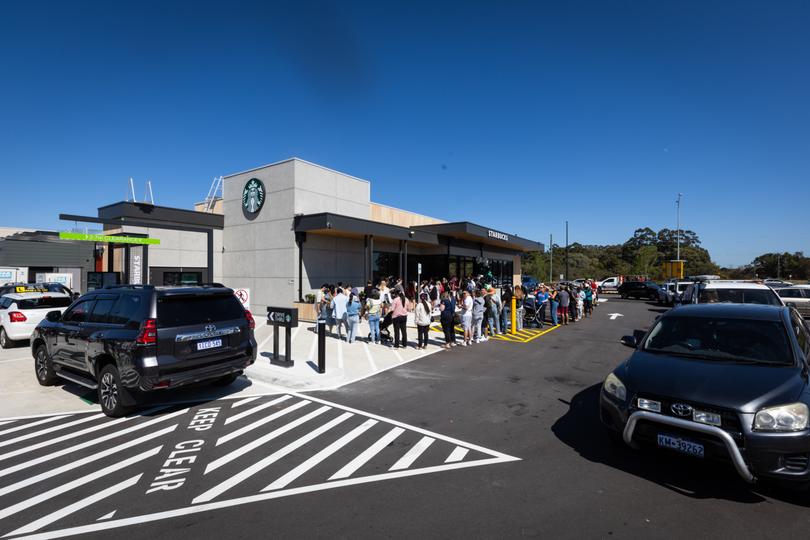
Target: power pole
(566, 249)
(550, 258)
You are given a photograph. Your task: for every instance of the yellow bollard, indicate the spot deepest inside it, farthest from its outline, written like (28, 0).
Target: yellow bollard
(513, 328)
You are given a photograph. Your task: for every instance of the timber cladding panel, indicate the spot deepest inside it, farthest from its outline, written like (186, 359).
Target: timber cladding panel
(401, 218)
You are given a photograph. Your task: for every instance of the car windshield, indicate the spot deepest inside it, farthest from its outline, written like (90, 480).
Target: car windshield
(739, 296)
(723, 340)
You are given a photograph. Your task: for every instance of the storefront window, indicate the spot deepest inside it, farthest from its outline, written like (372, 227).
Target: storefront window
(385, 265)
(182, 278)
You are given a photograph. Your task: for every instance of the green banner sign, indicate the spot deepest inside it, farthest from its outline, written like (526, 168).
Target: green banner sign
(104, 238)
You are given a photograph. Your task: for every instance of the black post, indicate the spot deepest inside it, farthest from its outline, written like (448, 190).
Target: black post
(321, 346)
(288, 345)
(275, 343)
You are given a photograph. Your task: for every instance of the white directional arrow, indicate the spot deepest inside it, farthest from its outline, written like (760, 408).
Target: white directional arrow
(613, 316)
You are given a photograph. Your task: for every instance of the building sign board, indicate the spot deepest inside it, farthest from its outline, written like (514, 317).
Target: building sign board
(107, 238)
(136, 266)
(284, 317)
(498, 235)
(253, 195)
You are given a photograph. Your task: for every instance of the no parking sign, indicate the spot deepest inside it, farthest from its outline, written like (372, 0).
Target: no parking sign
(244, 296)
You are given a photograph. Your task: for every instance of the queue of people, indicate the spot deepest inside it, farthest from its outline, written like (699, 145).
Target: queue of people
(481, 310)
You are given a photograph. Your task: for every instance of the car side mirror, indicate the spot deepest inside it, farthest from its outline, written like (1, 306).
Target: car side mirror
(54, 316)
(629, 341)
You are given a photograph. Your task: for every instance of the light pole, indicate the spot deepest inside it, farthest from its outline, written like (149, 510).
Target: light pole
(566, 249)
(678, 203)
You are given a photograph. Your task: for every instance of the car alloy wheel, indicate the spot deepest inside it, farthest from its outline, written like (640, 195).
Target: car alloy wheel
(109, 391)
(42, 364)
(3, 338)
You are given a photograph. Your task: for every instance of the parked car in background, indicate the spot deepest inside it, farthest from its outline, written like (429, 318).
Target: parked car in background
(34, 287)
(639, 289)
(20, 313)
(730, 291)
(672, 291)
(126, 340)
(610, 284)
(724, 382)
(797, 296)
(772, 282)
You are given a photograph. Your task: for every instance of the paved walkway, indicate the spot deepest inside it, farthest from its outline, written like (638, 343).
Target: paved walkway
(345, 362)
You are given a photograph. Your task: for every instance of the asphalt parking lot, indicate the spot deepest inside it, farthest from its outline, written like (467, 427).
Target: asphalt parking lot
(499, 440)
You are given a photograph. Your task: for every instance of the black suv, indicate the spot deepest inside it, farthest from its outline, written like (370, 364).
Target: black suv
(639, 289)
(125, 340)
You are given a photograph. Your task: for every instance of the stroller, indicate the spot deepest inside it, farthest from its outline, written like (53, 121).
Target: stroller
(531, 313)
(385, 333)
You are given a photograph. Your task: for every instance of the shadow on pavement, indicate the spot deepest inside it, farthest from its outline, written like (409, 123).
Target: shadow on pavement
(581, 429)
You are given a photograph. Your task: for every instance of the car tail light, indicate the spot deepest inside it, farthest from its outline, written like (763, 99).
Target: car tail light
(148, 333)
(16, 316)
(251, 321)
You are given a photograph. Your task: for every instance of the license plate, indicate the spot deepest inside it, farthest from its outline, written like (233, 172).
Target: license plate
(680, 445)
(210, 344)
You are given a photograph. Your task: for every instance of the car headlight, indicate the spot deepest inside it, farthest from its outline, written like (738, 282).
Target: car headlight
(791, 417)
(614, 387)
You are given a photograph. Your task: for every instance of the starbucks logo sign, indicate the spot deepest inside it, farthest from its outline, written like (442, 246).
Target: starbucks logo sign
(253, 196)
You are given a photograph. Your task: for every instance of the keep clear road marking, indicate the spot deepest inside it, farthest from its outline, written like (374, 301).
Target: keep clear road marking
(51, 429)
(614, 316)
(78, 505)
(258, 423)
(255, 409)
(320, 456)
(269, 460)
(351, 467)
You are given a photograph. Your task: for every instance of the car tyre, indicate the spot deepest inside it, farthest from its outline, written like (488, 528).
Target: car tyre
(227, 380)
(109, 392)
(623, 296)
(43, 367)
(5, 341)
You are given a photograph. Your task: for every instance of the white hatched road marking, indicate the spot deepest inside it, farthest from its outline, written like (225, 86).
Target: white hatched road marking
(6, 422)
(216, 464)
(352, 467)
(255, 409)
(78, 505)
(84, 461)
(32, 424)
(285, 480)
(72, 492)
(51, 429)
(92, 442)
(457, 454)
(243, 401)
(258, 423)
(86, 479)
(413, 454)
(272, 458)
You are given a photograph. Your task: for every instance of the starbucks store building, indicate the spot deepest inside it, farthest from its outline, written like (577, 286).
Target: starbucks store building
(282, 230)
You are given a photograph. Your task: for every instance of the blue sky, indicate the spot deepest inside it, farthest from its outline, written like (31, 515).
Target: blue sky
(515, 115)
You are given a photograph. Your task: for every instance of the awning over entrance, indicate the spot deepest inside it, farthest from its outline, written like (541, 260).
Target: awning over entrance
(464, 230)
(328, 223)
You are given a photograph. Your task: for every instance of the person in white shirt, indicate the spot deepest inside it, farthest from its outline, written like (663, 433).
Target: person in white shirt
(339, 311)
(466, 317)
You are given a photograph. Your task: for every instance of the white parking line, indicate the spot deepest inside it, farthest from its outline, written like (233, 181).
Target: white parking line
(32, 424)
(264, 342)
(351, 467)
(458, 453)
(413, 454)
(256, 409)
(269, 460)
(78, 505)
(227, 458)
(15, 359)
(370, 357)
(86, 479)
(51, 429)
(285, 480)
(258, 423)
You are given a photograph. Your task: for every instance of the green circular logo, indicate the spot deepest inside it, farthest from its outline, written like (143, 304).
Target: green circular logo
(253, 196)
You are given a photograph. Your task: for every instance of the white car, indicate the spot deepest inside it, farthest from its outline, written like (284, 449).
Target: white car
(736, 292)
(609, 284)
(21, 312)
(798, 296)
